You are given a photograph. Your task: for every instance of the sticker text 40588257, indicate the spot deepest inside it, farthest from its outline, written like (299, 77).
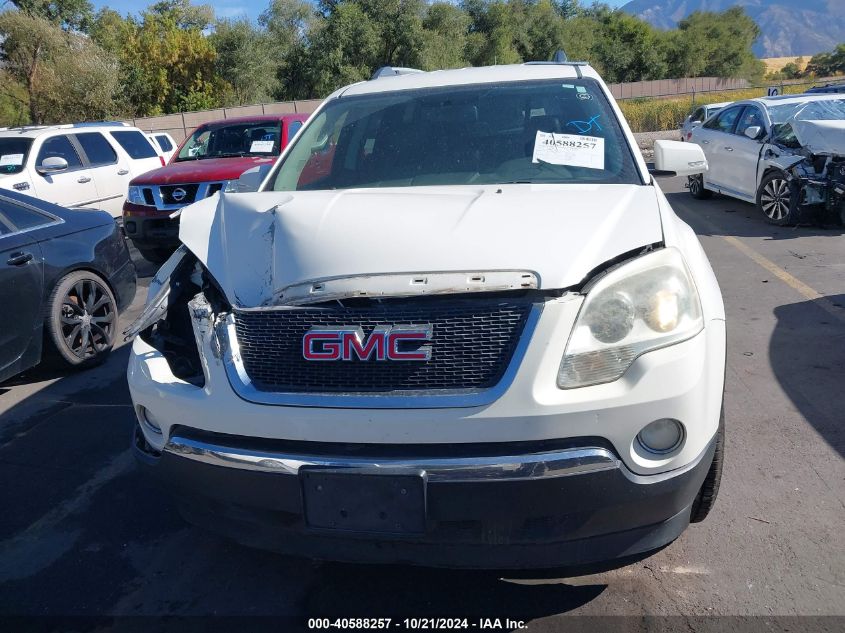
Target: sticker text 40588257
(573, 150)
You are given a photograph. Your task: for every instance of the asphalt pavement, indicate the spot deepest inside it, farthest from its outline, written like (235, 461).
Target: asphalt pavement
(83, 534)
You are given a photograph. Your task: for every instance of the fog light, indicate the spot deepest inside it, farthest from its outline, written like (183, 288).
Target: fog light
(149, 420)
(661, 436)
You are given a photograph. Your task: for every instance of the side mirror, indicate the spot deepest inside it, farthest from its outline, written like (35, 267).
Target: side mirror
(753, 132)
(51, 165)
(251, 179)
(680, 159)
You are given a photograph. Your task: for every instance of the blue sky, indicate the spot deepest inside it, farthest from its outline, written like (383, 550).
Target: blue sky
(229, 8)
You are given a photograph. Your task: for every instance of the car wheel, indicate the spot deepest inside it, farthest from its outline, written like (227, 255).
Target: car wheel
(696, 188)
(776, 199)
(156, 255)
(706, 498)
(81, 321)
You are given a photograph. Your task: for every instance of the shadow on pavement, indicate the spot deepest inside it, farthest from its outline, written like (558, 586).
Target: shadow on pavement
(742, 219)
(807, 352)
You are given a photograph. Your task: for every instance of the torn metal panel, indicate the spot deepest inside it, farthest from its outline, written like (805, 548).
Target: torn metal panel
(404, 285)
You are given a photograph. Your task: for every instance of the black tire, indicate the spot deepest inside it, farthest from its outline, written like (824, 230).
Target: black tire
(155, 255)
(81, 320)
(696, 188)
(776, 199)
(706, 498)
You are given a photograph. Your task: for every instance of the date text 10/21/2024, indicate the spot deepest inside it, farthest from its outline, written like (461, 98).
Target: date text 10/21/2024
(416, 624)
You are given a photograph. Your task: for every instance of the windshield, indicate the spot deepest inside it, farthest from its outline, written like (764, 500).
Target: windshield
(817, 110)
(13, 153)
(551, 131)
(260, 138)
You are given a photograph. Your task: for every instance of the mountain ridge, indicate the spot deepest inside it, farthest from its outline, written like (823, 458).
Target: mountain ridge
(818, 26)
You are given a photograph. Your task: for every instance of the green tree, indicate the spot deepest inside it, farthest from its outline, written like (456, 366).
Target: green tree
(628, 49)
(74, 15)
(717, 45)
(825, 64)
(57, 75)
(245, 61)
(445, 35)
(493, 34)
(167, 62)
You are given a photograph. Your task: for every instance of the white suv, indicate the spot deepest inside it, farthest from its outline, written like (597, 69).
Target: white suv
(458, 324)
(81, 165)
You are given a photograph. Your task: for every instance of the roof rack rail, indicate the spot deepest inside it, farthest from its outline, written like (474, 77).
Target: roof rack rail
(394, 71)
(102, 123)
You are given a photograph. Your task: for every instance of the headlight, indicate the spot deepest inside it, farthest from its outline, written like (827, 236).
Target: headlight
(641, 306)
(136, 196)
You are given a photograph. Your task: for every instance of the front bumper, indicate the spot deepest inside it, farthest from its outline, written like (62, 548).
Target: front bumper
(146, 226)
(572, 505)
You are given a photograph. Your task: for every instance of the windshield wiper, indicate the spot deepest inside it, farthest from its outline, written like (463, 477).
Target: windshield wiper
(229, 155)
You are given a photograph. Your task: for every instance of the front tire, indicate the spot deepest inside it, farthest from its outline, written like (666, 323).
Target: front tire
(81, 319)
(776, 199)
(696, 188)
(706, 498)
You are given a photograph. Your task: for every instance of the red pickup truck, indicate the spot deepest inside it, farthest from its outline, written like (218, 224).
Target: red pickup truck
(213, 155)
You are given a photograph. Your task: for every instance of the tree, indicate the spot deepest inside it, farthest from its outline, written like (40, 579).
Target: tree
(167, 62)
(628, 49)
(445, 36)
(58, 76)
(825, 64)
(717, 45)
(72, 15)
(493, 33)
(245, 61)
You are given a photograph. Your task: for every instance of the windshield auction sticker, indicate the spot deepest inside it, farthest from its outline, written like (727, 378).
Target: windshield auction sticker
(572, 150)
(261, 146)
(11, 159)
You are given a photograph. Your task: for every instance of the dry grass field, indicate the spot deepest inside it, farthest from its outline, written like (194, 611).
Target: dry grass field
(774, 64)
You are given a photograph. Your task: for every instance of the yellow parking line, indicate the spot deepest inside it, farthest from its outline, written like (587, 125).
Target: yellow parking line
(793, 282)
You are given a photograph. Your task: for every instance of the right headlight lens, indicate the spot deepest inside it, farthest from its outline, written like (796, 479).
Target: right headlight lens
(648, 303)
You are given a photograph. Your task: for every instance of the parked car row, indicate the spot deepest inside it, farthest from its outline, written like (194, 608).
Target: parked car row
(210, 160)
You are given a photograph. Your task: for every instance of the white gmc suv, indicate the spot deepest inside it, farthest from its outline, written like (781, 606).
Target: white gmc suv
(457, 324)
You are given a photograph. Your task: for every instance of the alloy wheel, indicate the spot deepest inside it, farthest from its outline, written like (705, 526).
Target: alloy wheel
(88, 317)
(695, 185)
(775, 199)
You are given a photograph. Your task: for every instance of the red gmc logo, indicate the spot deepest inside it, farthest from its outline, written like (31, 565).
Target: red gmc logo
(398, 342)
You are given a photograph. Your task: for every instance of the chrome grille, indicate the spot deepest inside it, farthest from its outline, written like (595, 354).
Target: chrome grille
(473, 342)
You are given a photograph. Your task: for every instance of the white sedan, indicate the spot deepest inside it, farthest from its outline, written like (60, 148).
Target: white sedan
(784, 154)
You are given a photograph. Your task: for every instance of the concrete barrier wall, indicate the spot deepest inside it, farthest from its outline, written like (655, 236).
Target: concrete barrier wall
(180, 125)
(673, 87)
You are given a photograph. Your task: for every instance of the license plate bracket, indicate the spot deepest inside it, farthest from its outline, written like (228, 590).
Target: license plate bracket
(380, 503)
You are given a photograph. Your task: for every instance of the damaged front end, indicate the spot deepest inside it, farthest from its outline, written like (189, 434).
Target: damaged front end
(810, 152)
(184, 311)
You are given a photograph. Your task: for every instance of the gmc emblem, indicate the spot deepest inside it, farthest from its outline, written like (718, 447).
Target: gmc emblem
(384, 343)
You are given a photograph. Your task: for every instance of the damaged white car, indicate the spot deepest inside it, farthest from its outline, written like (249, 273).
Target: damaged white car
(457, 324)
(785, 154)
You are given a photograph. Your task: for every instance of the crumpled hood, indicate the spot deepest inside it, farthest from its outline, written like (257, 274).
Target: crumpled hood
(821, 137)
(204, 170)
(257, 244)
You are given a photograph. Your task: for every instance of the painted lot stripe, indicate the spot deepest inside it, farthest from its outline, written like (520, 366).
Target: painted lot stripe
(793, 282)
